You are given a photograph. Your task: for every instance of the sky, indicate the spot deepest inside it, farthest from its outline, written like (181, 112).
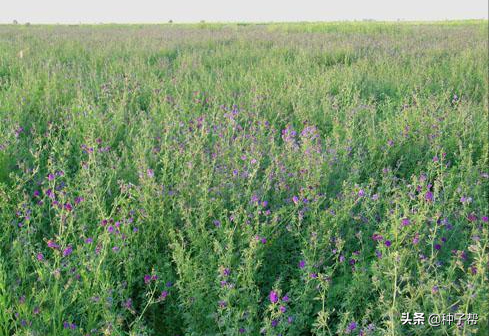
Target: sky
(158, 11)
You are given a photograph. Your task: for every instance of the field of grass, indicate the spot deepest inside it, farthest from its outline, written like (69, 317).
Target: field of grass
(242, 179)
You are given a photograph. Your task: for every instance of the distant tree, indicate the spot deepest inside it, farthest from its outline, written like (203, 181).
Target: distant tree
(27, 24)
(15, 22)
(171, 21)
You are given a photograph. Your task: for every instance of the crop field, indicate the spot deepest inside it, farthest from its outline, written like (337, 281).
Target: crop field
(244, 179)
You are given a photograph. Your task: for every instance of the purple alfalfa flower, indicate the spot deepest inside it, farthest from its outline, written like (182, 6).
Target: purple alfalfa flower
(377, 237)
(147, 278)
(416, 239)
(295, 199)
(375, 197)
(254, 199)
(52, 244)
(378, 254)
(36, 193)
(273, 296)
(485, 219)
(283, 309)
(313, 275)
(66, 325)
(472, 217)
(264, 204)
(88, 240)
(67, 251)
(50, 193)
(263, 240)
(150, 173)
(222, 304)
(242, 330)
(302, 264)
(169, 284)
(388, 243)
(342, 258)
(78, 200)
(434, 289)
(163, 295)
(128, 304)
(352, 326)
(40, 257)
(217, 223)
(51, 177)
(405, 221)
(274, 323)
(290, 319)
(428, 196)
(226, 271)
(285, 298)
(361, 193)
(437, 247)
(110, 229)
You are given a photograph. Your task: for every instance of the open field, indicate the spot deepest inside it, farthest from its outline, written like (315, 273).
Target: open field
(241, 179)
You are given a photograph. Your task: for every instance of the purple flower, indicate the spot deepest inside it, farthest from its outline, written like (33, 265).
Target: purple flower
(274, 323)
(163, 295)
(406, 221)
(67, 251)
(429, 196)
(302, 264)
(434, 289)
(388, 243)
(51, 177)
(147, 278)
(52, 244)
(40, 257)
(273, 297)
(285, 298)
(217, 222)
(264, 240)
(361, 193)
(283, 309)
(313, 275)
(128, 304)
(242, 330)
(377, 237)
(438, 247)
(88, 240)
(150, 173)
(295, 199)
(36, 193)
(352, 326)
(226, 272)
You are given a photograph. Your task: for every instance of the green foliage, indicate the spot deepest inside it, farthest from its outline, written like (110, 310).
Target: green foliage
(229, 179)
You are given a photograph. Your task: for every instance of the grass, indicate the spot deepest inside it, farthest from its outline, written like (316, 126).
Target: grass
(228, 179)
